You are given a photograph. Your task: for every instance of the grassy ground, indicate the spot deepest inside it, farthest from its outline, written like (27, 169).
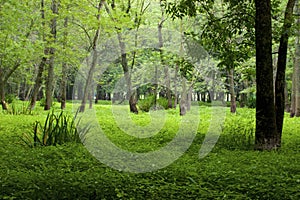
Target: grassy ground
(231, 171)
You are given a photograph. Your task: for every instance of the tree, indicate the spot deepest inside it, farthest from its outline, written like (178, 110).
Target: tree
(88, 84)
(281, 68)
(16, 47)
(265, 133)
(50, 75)
(295, 97)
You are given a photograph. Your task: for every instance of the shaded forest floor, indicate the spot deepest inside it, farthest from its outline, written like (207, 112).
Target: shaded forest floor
(231, 171)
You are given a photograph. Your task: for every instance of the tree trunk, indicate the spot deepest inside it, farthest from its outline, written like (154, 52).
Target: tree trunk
(189, 98)
(38, 79)
(183, 99)
(131, 94)
(287, 106)
(293, 95)
(231, 91)
(38, 82)
(2, 95)
(265, 133)
(281, 68)
(88, 82)
(175, 86)
(296, 72)
(50, 77)
(63, 89)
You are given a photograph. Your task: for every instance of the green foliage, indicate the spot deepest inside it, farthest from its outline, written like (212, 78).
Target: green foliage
(43, 102)
(230, 171)
(58, 129)
(10, 98)
(148, 103)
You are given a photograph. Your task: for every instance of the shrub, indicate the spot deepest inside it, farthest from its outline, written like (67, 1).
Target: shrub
(43, 102)
(10, 98)
(148, 103)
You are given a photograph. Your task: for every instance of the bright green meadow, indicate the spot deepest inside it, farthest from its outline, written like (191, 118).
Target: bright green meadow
(67, 170)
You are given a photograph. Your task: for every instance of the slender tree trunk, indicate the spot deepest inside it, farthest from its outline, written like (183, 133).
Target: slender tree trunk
(38, 82)
(293, 95)
(41, 67)
(231, 91)
(265, 133)
(166, 68)
(88, 83)
(297, 90)
(183, 99)
(175, 86)
(189, 98)
(287, 106)
(281, 68)
(130, 92)
(63, 86)
(50, 77)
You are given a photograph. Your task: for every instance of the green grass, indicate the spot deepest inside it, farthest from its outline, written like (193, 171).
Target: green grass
(231, 171)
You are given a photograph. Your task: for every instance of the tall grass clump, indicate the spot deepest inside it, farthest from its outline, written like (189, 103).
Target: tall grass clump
(59, 128)
(238, 131)
(15, 108)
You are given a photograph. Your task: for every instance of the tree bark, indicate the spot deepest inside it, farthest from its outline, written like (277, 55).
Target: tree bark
(2, 95)
(63, 86)
(286, 99)
(183, 99)
(281, 68)
(231, 91)
(124, 62)
(265, 133)
(166, 68)
(38, 79)
(296, 71)
(88, 82)
(50, 77)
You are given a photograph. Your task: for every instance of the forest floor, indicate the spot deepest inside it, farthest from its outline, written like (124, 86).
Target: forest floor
(232, 170)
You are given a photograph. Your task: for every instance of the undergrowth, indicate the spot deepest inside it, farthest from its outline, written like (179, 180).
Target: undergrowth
(232, 170)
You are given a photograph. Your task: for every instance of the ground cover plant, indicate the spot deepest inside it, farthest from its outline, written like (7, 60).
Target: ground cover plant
(233, 170)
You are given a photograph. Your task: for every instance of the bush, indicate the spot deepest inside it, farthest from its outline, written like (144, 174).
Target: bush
(148, 103)
(43, 102)
(10, 98)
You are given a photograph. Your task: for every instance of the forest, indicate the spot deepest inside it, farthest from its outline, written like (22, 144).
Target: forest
(150, 99)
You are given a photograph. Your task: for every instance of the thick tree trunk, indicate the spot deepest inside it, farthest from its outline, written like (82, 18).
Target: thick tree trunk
(2, 95)
(231, 91)
(265, 133)
(50, 77)
(281, 68)
(296, 71)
